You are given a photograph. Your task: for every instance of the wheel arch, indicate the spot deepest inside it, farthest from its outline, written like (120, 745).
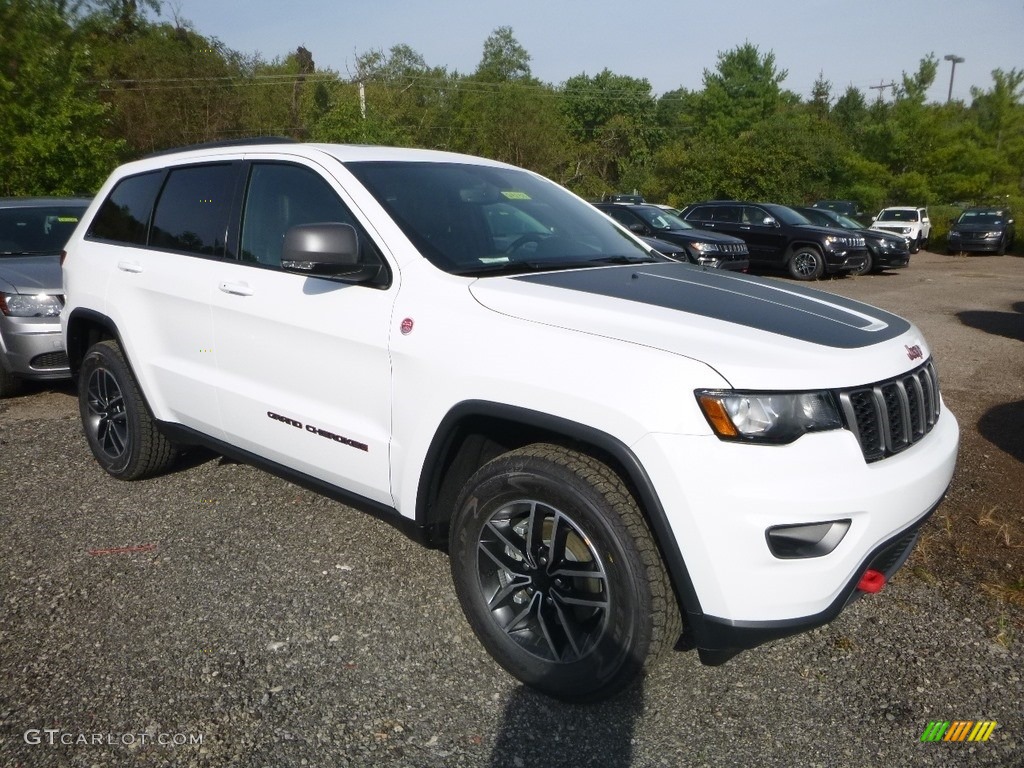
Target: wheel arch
(474, 432)
(86, 327)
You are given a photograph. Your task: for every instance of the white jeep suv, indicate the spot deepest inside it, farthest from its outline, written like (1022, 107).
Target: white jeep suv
(912, 223)
(623, 454)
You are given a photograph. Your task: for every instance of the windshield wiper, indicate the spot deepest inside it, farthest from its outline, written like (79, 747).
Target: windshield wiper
(520, 267)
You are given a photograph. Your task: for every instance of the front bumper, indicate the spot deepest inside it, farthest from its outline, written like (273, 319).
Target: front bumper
(974, 244)
(890, 259)
(719, 519)
(845, 261)
(33, 348)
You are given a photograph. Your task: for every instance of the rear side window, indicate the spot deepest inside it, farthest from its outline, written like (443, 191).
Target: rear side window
(124, 215)
(194, 208)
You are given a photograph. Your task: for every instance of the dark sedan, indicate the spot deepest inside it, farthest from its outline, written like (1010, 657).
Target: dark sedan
(711, 249)
(885, 250)
(982, 230)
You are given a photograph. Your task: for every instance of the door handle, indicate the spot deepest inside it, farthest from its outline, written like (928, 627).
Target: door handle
(129, 266)
(236, 289)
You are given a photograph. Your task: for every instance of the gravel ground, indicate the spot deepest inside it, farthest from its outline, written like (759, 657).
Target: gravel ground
(220, 604)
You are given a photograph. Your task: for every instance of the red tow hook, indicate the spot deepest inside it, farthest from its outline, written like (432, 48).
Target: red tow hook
(872, 581)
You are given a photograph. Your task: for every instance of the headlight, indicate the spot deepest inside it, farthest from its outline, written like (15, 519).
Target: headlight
(991, 235)
(24, 305)
(705, 247)
(953, 234)
(768, 418)
(884, 245)
(905, 230)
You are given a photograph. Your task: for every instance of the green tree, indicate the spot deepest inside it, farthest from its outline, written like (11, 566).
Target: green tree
(53, 137)
(613, 122)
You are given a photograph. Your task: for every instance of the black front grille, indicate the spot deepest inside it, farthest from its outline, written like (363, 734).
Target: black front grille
(733, 248)
(892, 415)
(49, 360)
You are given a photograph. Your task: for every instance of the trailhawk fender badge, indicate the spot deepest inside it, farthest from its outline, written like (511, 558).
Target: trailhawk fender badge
(406, 326)
(914, 352)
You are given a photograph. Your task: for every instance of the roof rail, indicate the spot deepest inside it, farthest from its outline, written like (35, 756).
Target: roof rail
(225, 143)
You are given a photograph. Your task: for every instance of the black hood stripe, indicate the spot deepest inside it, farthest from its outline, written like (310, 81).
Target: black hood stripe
(792, 311)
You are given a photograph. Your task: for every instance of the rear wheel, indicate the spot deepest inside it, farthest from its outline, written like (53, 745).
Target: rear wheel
(558, 575)
(806, 263)
(120, 430)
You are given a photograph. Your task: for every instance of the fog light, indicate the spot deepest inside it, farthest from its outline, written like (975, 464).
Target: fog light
(806, 540)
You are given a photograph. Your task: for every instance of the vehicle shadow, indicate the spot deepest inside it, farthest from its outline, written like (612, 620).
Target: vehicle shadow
(1003, 426)
(1008, 324)
(538, 730)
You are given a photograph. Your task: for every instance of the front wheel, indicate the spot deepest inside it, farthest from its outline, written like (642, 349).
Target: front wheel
(120, 430)
(915, 245)
(869, 264)
(558, 575)
(806, 264)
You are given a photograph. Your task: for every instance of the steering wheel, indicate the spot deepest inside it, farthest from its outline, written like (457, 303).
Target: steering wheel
(529, 237)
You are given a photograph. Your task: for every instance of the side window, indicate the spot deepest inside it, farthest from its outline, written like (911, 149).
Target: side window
(282, 196)
(625, 218)
(703, 213)
(754, 216)
(193, 210)
(124, 215)
(727, 214)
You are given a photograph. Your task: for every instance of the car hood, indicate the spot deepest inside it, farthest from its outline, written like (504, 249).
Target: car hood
(878, 234)
(756, 333)
(31, 274)
(694, 236)
(973, 228)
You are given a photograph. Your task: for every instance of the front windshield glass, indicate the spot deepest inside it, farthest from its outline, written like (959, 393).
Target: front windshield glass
(897, 214)
(658, 218)
(787, 215)
(26, 231)
(849, 223)
(478, 219)
(981, 217)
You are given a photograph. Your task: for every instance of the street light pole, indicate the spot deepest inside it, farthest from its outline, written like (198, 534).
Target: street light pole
(956, 60)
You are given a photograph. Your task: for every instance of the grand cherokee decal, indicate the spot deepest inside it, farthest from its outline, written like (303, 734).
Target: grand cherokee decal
(317, 431)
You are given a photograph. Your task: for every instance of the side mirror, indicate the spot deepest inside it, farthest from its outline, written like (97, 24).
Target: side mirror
(326, 250)
(770, 221)
(640, 229)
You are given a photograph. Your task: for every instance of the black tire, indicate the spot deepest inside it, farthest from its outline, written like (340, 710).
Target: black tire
(806, 263)
(915, 245)
(1001, 251)
(869, 266)
(10, 385)
(120, 430)
(523, 522)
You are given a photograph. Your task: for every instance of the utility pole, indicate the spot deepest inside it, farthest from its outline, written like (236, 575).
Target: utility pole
(882, 85)
(956, 60)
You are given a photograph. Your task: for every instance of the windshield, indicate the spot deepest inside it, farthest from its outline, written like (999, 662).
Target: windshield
(982, 217)
(477, 219)
(787, 215)
(26, 231)
(658, 218)
(897, 214)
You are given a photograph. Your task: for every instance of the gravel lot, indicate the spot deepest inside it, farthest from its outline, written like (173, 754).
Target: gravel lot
(222, 605)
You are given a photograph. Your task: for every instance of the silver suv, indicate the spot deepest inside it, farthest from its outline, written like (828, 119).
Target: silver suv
(32, 233)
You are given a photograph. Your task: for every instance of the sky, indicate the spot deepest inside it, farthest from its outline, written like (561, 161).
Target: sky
(669, 43)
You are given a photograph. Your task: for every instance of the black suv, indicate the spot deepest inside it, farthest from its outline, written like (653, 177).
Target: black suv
(885, 250)
(781, 238)
(983, 230)
(712, 249)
